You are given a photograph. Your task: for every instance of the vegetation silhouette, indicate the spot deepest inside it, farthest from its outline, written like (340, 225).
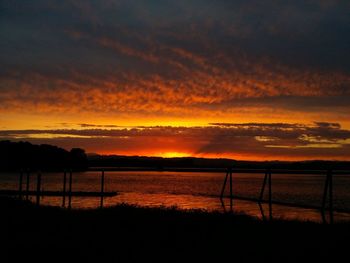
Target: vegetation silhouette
(44, 157)
(127, 233)
(193, 162)
(23, 155)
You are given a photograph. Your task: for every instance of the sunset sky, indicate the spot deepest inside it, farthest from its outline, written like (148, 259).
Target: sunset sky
(252, 80)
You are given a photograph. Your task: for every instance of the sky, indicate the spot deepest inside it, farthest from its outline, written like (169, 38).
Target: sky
(249, 80)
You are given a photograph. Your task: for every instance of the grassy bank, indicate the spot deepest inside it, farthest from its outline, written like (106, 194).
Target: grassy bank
(133, 234)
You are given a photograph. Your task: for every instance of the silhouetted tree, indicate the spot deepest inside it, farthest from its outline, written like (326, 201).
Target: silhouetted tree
(24, 155)
(78, 159)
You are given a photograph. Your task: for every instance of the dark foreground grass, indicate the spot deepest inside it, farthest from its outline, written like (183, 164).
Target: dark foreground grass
(133, 234)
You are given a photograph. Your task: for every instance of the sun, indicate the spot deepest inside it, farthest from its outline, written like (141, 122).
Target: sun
(173, 154)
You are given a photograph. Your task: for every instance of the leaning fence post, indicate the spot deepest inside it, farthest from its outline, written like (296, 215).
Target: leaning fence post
(224, 185)
(262, 211)
(263, 187)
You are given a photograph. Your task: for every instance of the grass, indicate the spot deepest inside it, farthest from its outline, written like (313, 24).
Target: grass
(127, 233)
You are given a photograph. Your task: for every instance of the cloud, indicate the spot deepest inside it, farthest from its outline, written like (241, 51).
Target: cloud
(328, 125)
(217, 61)
(239, 140)
(88, 125)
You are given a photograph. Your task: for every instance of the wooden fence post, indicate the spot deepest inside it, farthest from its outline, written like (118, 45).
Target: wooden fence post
(102, 187)
(231, 192)
(263, 187)
(270, 195)
(330, 196)
(27, 185)
(224, 185)
(38, 187)
(64, 188)
(70, 190)
(20, 184)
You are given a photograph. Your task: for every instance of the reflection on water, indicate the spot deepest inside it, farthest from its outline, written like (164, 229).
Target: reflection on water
(196, 191)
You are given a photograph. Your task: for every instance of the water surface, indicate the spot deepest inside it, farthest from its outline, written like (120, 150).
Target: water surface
(196, 190)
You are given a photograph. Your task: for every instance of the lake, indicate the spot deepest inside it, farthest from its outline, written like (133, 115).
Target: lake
(196, 190)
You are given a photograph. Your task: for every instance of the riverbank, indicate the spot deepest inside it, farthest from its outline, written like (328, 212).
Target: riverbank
(133, 234)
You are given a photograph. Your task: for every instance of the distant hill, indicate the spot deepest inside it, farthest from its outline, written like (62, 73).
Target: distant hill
(96, 160)
(23, 155)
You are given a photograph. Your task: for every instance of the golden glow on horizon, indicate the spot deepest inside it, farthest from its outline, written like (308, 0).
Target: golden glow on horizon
(173, 154)
(171, 144)
(27, 121)
(233, 156)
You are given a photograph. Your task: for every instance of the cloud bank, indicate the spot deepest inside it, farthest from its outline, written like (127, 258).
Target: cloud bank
(242, 65)
(174, 57)
(261, 141)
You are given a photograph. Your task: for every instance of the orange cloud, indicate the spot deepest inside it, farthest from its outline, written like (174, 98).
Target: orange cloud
(261, 141)
(172, 63)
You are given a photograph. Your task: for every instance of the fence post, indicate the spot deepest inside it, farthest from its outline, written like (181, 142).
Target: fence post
(64, 188)
(70, 190)
(38, 187)
(270, 195)
(102, 187)
(263, 187)
(231, 192)
(262, 211)
(324, 198)
(224, 185)
(27, 185)
(20, 184)
(330, 196)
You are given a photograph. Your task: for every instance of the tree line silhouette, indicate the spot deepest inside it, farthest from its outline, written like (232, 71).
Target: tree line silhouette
(193, 162)
(24, 155)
